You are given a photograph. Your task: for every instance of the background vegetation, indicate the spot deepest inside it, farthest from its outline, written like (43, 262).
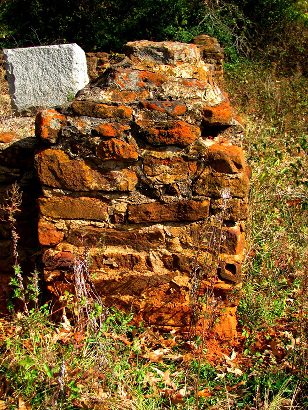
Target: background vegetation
(101, 361)
(244, 27)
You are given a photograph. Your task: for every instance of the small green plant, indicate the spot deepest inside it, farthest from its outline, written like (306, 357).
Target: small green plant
(25, 290)
(70, 96)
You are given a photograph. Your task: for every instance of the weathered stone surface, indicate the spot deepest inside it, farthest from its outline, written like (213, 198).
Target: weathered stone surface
(171, 59)
(175, 211)
(93, 109)
(54, 259)
(208, 237)
(73, 208)
(111, 130)
(208, 44)
(57, 170)
(212, 54)
(225, 158)
(172, 108)
(111, 96)
(216, 184)
(48, 123)
(167, 52)
(232, 240)
(7, 137)
(45, 76)
(119, 260)
(169, 133)
(48, 235)
(220, 114)
(189, 89)
(97, 63)
(233, 209)
(139, 239)
(116, 149)
(229, 270)
(135, 80)
(168, 170)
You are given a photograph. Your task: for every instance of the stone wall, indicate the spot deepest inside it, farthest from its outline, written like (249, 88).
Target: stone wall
(145, 171)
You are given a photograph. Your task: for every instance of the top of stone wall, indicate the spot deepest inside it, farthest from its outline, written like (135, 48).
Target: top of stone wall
(180, 73)
(45, 76)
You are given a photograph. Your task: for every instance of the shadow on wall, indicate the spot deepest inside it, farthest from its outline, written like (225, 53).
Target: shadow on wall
(17, 167)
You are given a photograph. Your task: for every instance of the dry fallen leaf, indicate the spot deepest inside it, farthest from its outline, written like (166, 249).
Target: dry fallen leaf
(62, 335)
(166, 377)
(205, 393)
(235, 370)
(66, 324)
(22, 405)
(156, 355)
(152, 380)
(2, 405)
(121, 338)
(79, 337)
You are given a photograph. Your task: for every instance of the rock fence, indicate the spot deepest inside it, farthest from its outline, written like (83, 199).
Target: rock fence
(145, 174)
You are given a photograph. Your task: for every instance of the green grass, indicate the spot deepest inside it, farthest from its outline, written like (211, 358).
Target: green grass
(57, 367)
(275, 109)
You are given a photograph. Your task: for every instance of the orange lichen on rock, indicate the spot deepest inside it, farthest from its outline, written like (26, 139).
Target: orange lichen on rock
(48, 234)
(48, 124)
(93, 109)
(7, 137)
(173, 108)
(56, 169)
(115, 149)
(111, 130)
(220, 114)
(171, 133)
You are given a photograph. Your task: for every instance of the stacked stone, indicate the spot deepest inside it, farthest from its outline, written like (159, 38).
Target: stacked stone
(141, 172)
(212, 53)
(97, 63)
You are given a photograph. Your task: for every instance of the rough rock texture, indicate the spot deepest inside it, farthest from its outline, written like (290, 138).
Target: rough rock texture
(141, 172)
(45, 76)
(212, 53)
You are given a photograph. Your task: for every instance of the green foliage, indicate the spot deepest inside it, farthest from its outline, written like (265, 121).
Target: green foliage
(28, 293)
(241, 26)
(118, 321)
(97, 24)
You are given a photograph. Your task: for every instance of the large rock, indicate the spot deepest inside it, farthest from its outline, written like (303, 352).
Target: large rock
(45, 76)
(142, 172)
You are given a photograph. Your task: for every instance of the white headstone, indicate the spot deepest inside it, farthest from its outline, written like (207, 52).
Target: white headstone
(45, 76)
